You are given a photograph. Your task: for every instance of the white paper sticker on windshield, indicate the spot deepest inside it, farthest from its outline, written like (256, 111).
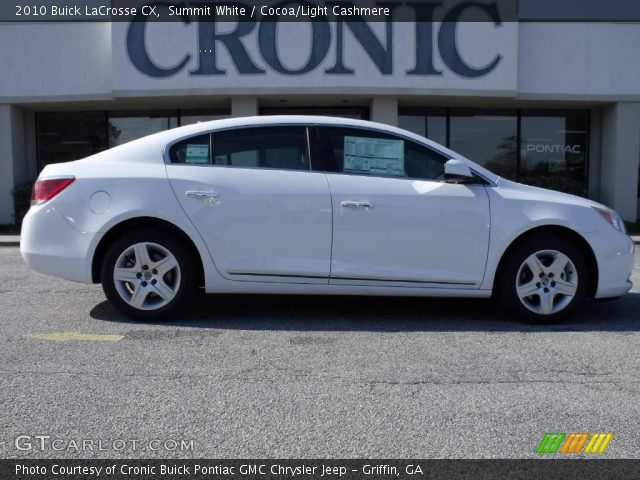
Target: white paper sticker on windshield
(378, 156)
(197, 153)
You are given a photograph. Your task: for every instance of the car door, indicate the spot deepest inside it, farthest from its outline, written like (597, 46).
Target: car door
(395, 220)
(264, 215)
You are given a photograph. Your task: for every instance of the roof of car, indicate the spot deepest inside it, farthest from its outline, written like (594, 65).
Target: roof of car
(282, 120)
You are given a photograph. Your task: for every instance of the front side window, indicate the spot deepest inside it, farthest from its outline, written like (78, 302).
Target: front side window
(366, 152)
(262, 147)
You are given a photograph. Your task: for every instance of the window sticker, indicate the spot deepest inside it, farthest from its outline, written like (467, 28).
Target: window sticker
(377, 156)
(197, 153)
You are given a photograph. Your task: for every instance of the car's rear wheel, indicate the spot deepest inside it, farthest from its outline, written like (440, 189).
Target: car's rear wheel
(148, 275)
(544, 280)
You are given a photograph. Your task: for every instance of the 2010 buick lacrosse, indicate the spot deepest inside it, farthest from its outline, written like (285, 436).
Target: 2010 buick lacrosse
(315, 205)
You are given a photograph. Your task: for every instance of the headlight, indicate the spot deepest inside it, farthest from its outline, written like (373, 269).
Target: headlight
(612, 219)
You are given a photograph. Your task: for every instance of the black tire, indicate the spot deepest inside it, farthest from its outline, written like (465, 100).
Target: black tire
(184, 278)
(512, 274)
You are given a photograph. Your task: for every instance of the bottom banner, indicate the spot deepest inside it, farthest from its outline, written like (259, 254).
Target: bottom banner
(326, 469)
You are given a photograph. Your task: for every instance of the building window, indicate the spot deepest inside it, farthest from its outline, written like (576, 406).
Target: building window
(356, 113)
(547, 148)
(189, 117)
(488, 137)
(66, 136)
(431, 124)
(127, 126)
(553, 150)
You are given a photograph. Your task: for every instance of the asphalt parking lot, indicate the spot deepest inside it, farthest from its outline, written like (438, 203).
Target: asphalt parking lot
(302, 377)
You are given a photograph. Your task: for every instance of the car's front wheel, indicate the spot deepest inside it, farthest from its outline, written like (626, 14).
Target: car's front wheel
(148, 275)
(544, 280)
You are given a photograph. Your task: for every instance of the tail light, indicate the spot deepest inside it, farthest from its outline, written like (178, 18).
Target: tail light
(47, 188)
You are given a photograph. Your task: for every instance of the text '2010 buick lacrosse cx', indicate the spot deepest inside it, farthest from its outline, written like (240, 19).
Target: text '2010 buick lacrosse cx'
(316, 205)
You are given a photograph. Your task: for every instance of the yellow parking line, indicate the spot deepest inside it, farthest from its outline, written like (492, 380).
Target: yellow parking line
(65, 336)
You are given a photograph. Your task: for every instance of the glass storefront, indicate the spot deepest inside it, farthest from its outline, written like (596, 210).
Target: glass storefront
(554, 150)
(66, 136)
(189, 117)
(487, 137)
(127, 126)
(431, 123)
(357, 113)
(547, 148)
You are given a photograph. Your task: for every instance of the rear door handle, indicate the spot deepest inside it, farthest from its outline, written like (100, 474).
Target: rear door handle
(207, 197)
(355, 204)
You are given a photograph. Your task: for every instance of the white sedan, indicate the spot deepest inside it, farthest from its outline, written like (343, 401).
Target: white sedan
(315, 205)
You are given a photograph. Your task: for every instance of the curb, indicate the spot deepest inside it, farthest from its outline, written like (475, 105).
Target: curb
(9, 240)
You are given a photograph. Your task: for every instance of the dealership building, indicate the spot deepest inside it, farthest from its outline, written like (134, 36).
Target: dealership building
(548, 103)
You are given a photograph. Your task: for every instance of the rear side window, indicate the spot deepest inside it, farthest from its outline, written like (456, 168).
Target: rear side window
(262, 147)
(194, 150)
(367, 152)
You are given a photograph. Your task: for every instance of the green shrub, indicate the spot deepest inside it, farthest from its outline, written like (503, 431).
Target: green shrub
(21, 201)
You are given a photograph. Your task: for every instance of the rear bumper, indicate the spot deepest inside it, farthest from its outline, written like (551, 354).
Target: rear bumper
(50, 245)
(615, 256)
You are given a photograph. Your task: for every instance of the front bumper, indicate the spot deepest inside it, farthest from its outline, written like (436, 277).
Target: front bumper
(615, 257)
(50, 245)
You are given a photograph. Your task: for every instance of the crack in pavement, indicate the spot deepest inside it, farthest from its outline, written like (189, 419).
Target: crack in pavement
(296, 375)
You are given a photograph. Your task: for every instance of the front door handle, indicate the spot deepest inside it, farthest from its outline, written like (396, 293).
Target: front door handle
(207, 197)
(355, 204)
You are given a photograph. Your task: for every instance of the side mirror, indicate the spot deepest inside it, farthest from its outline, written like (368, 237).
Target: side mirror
(456, 171)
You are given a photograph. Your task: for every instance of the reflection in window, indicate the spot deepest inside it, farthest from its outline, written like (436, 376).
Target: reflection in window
(553, 150)
(431, 123)
(264, 147)
(66, 136)
(127, 126)
(488, 138)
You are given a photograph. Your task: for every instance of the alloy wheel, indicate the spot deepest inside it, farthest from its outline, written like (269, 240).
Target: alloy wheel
(547, 282)
(147, 276)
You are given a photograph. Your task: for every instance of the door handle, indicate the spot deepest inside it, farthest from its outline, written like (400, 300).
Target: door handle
(207, 197)
(354, 204)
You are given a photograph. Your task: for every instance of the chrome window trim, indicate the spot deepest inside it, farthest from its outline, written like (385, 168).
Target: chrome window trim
(166, 150)
(307, 126)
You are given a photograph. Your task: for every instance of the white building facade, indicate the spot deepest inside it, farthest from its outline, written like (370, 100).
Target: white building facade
(553, 104)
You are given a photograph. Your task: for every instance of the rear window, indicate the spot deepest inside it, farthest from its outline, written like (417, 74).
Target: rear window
(194, 150)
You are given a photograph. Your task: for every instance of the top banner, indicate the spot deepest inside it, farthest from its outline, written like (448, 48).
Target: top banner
(319, 10)
(257, 10)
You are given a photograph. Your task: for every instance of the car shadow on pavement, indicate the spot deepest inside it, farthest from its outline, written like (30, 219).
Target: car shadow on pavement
(379, 314)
